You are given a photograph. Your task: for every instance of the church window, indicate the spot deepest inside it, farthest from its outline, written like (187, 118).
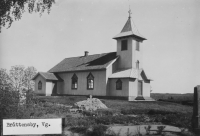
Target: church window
(74, 82)
(124, 45)
(137, 46)
(39, 85)
(118, 84)
(90, 82)
(137, 64)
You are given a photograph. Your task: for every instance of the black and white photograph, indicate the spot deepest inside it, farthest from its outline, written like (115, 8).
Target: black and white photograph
(100, 67)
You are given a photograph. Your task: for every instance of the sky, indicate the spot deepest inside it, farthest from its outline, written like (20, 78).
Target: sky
(170, 53)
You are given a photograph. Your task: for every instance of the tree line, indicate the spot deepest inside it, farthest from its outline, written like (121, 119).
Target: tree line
(18, 78)
(17, 98)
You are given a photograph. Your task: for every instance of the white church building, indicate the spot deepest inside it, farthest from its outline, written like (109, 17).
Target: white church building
(113, 74)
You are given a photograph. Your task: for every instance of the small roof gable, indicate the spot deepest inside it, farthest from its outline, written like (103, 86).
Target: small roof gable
(82, 63)
(47, 76)
(129, 29)
(129, 73)
(146, 76)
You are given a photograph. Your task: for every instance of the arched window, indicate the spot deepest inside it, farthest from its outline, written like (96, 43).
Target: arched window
(118, 84)
(137, 65)
(74, 82)
(39, 85)
(90, 82)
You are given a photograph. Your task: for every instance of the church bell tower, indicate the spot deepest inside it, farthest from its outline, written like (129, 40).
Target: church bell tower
(129, 46)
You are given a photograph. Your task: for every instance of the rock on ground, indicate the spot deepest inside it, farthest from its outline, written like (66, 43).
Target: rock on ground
(91, 104)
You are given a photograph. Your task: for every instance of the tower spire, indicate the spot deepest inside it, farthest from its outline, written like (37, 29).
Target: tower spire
(129, 29)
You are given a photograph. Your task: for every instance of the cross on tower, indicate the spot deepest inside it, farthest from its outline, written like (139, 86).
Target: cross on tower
(129, 12)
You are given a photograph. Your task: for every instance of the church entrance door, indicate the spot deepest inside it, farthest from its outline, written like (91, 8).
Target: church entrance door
(140, 93)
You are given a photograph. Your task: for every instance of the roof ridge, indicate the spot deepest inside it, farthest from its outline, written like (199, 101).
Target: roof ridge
(90, 55)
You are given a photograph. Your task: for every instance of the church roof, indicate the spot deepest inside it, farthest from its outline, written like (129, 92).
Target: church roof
(129, 29)
(125, 73)
(130, 73)
(47, 76)
(82, 63)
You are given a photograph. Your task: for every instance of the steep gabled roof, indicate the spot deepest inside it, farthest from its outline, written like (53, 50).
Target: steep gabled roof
(82, 63)
(47, 76)
(129, 29)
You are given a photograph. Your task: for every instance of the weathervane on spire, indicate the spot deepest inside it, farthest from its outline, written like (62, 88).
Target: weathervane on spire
(129, 12)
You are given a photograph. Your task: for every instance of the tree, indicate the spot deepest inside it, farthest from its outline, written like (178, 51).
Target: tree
(21, 78)
(29, 73)
(11, 104)
(11, 10)
(17, 77)
(4, 79)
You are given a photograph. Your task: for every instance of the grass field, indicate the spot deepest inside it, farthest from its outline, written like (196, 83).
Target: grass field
(173, 97)
(119, 112)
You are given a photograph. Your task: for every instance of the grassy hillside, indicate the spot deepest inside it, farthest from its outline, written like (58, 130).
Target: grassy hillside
(119, 112)
(121, 104)
(124, 104)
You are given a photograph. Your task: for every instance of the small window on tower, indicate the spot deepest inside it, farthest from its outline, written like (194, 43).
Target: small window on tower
(137, 46)
(137, 64)
(124, 45)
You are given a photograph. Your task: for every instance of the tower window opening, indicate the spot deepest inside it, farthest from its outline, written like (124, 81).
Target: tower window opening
(124, 45)
(137, 65)
(137, 46)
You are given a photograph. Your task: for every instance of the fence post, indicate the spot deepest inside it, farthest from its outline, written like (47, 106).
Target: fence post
(196, 109)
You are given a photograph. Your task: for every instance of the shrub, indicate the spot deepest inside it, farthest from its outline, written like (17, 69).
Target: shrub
(133, 111)
(179, 120)
(79, 122)
(89, 113)
(153, 112)
(127, 111)
(11, 106)
(71, 98)
(105, 112)
(97, 130)
(47, 104)
(160, 129)
(103, 101)
(81, 130)
(147, 129)
(106, 120)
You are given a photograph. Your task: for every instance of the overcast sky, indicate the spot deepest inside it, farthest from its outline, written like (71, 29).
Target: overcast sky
(171, 51)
